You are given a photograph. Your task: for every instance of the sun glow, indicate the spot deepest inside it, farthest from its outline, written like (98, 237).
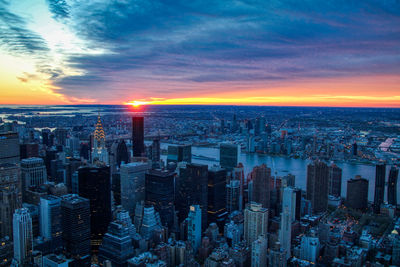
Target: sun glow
(136, 103)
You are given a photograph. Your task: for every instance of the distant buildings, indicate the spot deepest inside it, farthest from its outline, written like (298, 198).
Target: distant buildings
(357, 193)
(228, 156)
(380, 174)
(23, 238)
(317, 186)
(255, 222)
(138, 136)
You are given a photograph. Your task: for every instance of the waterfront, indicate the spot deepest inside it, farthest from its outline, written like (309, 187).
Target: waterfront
(283, 165)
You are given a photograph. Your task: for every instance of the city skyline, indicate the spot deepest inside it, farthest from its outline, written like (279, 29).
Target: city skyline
(280, 53)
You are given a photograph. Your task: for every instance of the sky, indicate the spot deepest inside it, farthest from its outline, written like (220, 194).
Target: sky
(250, 52)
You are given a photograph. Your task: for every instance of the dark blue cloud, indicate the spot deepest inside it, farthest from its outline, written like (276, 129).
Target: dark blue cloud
(190, 42)
(15, 37)
(59, 8)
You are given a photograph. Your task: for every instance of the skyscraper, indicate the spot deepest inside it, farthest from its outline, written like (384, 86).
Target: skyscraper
(317, 186)
(9, 147)
(392, 185)
(309, 248)
(133, 184)
(99, 151)
(95, 185)
(259, 252)
(287, 217)
(216, 211)
(149, 223)
(261, 176)
(380, 177)
(23, 238)
(10, 196)
(228, 156)
(232, 195)
(192, 188)
(33, 172)
(61, 136)
(335, 180)
(179, 153)
(50, 219)
(255, 222)
(160, 194)
(75, 212)
(117, 245)
(138, 136)
(155, 151)
(122, 153)
(194, 227)
(357, 193)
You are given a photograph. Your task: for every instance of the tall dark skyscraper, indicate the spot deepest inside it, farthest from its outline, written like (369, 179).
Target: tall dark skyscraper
(160, 194)
(261, 177)
(357, 193)
(392, 185)
(216, 211)
(380, 174)
(297, 192)
(335, 180)
(75, 214)
(95, 185)
(122, 153)
(192, 189)
(228, 156)
(317, 186)
(138, 136)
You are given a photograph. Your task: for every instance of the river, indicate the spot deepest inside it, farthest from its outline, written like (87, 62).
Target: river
(283, 165)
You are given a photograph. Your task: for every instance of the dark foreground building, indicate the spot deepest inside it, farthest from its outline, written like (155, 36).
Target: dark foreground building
(75, 212)
(159, 190)
(392, 185)
(357, 193)
(380, 175)
(317, 186)
(95, 185)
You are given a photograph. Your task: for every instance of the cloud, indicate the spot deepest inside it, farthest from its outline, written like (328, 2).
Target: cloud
(16, 38)
(59, 8)
(162, 47)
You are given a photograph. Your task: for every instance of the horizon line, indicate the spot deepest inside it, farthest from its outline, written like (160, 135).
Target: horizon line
(226, 105)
